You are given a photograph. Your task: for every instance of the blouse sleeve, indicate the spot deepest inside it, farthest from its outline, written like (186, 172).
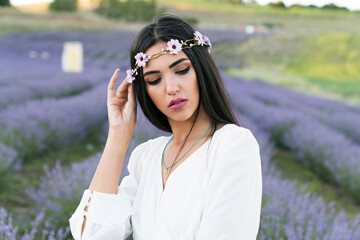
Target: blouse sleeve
(108, 215)
(233, 198)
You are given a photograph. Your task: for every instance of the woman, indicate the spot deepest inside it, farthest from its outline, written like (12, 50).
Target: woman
(216, 192)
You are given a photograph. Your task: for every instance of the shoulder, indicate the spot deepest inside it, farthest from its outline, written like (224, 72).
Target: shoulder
(233, 134)
(150, 145)
(234, 142)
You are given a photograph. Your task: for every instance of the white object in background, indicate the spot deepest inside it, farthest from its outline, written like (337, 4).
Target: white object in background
(72, 57)
(249, 29)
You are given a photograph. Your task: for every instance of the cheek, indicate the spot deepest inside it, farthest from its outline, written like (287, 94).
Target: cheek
(195, 86)
(154, 96)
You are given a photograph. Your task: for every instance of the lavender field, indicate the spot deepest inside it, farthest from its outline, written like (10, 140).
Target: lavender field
(43, 110)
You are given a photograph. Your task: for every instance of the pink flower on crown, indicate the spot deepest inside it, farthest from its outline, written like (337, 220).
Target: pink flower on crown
(173, 46)
(141, 59)
(207, 41)
(199, 38)
(129, 76)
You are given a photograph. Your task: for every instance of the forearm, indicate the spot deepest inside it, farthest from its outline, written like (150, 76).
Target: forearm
(107, 175)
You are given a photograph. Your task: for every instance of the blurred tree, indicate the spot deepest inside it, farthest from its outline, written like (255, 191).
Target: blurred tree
(5, 3)
(131, 10)
(278, 4)
(334, 7)
(109, 8)
(303, 6)
(63, 5)
(312, 6)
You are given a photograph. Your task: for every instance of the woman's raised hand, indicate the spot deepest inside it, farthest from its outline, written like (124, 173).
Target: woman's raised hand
(121, 104)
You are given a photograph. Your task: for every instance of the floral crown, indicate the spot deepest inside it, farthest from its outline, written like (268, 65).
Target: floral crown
(173, 46)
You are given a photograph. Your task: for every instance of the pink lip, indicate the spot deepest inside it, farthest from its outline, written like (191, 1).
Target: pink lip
(179, 105)
(176, 100)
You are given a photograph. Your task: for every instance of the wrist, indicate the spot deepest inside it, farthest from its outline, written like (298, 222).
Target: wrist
(119, 133)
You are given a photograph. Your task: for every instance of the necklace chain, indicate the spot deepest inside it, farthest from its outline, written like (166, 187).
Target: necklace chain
(162, 157)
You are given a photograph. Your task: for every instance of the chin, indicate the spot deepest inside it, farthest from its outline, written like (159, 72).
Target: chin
(182, 116)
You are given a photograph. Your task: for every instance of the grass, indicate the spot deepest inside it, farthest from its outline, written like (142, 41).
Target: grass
(331, 56)
(220, 14)
(321, 64)
(13, 20)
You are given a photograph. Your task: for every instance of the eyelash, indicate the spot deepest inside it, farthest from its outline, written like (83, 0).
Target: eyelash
(181, 72)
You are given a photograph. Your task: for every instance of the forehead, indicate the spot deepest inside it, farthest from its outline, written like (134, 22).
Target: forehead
(163, 60)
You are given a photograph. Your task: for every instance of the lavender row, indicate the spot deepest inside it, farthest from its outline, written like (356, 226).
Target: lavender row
(288, 212)
(25, 77)
(323, 150)
(37, 126)
(15, 49)
(55, 85)
(332, 113)
(41, 125)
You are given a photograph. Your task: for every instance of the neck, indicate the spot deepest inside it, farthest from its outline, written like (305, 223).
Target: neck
(181, 129)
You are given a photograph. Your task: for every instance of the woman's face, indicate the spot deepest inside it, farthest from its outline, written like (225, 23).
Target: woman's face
(170, 77)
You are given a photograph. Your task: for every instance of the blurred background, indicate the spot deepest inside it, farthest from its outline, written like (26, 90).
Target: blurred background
(292, 70)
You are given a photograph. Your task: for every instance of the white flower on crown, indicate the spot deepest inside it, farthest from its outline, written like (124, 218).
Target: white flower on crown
(199, 38)
(173, 46)
(141, 59)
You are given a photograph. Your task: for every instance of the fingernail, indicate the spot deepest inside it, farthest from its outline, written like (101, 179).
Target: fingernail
(117, 70)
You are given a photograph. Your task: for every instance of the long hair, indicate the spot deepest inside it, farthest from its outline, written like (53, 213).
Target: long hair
(212, 94)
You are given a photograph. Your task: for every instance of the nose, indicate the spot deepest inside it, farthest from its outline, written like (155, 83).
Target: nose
(172, 86)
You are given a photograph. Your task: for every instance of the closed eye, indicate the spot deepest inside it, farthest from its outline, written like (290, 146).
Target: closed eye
(154, 82)
(184, 70)
(181, 72)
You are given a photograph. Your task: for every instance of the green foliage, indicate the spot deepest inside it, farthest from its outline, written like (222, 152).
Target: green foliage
(312, 6)
(63, 6)
(303, 6)
(278, 4)
(5, 3)
(130, 10)
(271, 25)
(332, 6)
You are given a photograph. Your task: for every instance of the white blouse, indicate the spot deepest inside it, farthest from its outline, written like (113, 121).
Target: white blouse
(215, 193)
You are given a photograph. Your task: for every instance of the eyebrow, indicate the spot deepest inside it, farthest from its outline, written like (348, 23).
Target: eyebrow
(177, 62)
(171, 66)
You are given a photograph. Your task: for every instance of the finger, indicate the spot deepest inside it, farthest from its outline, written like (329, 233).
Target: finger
(131, 95)
(117, 101)
(122, 90)
(111, 86)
